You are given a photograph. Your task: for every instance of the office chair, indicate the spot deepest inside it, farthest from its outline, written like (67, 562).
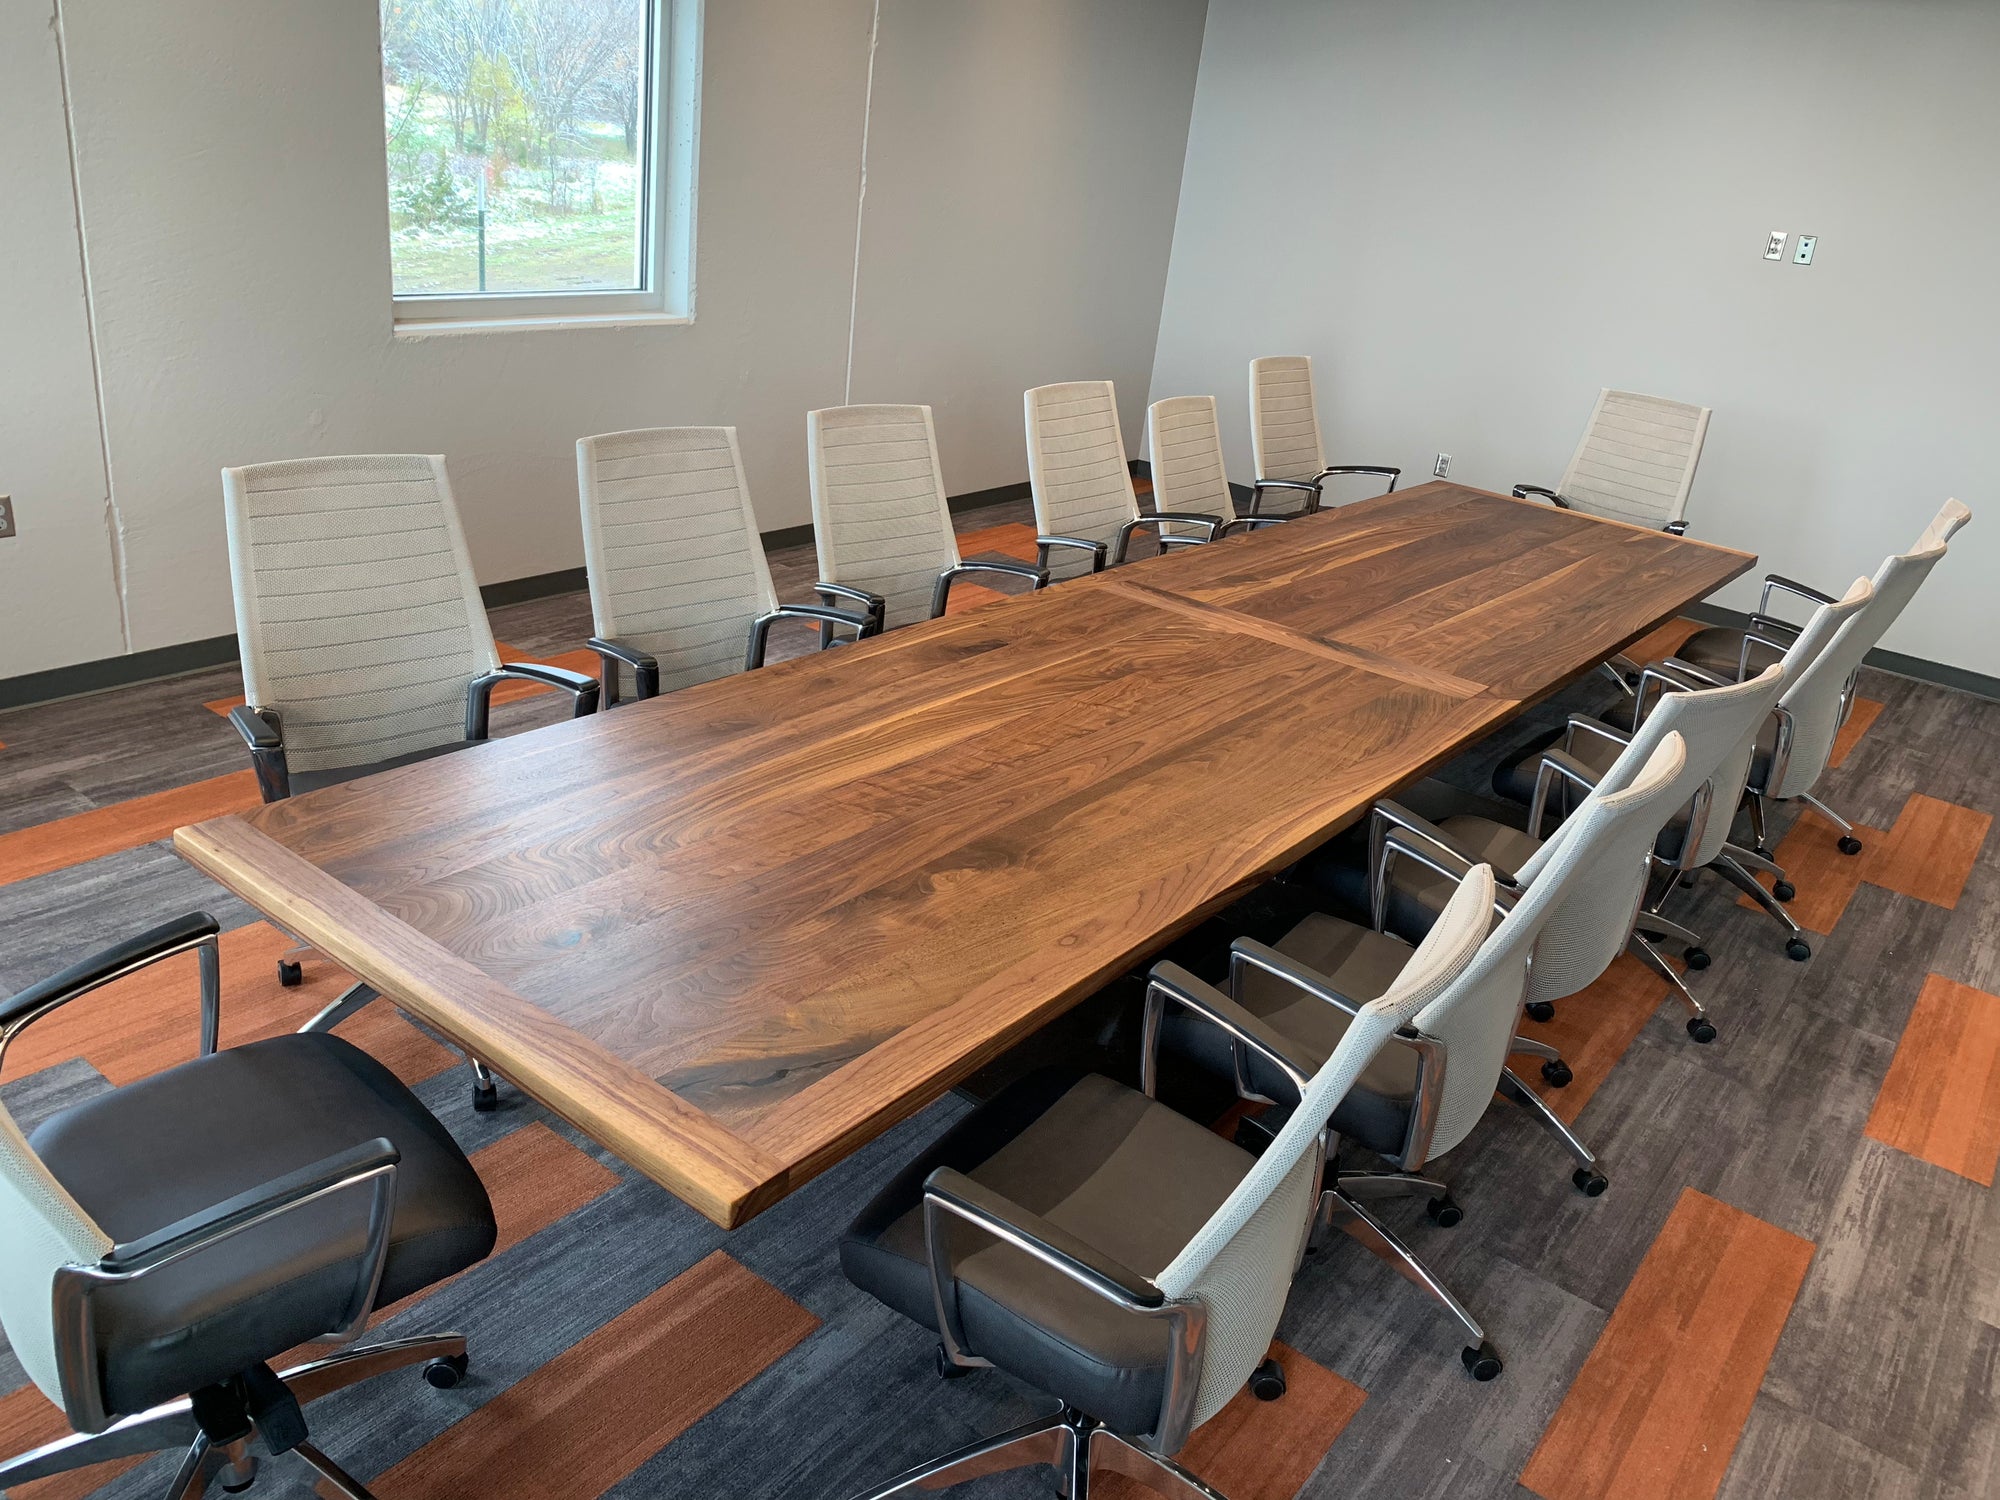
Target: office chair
(1117, 1255)
(1085, 505)
(1717, 727)
(1589, 746)
(680, 589)
(1431, 1085)
(1284, 435)
(1636, 462)
(1800, 760)
(364, 641)
(1189, 477)
(880, 523)
(165, 1241)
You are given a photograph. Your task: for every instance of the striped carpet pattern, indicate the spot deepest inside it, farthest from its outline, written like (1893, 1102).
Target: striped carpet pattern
(1789, 1288)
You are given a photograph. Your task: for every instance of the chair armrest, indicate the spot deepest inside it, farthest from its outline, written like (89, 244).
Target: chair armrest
(1156, 520)
(645, 670)
(1310, 487)
(873, 605)
(1385, 471)
(952, 1192)
(941, 594)
(1097, 550)
(1585, 724)
(583, 691)
(263, 734)
(1764, 634)
(862, 625)
(1539, 492)
(1250, 523)
(197, 931)
(1675, 528)
(1556, 766)
(1691, 677)
(1778, 583)
(1394, 830)
(1169, 981)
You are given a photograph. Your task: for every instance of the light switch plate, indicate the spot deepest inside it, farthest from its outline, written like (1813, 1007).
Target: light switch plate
(1775, 249)
(6, 515)
(1804, 254)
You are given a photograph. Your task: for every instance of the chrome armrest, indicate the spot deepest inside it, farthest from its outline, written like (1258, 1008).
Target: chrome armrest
(1394, 831)
(1311, 487)
(1675, 528)
(645, 670)
(1380, 470)
(863, 626)
(874, 605)
(263, 732)
(1250, 523)
(941, 595)
(1540, 492)
(367, 1169)
(1097, 550)
(1585, 724)
(1778, 583)
(196, 931)
(1759, 637)
(1556, 766)
(1169, 981)
(583, 691)
(1214, 524)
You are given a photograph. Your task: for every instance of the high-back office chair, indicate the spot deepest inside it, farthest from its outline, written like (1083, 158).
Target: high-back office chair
(1285, 438)
(1085, 507)
(164, 1241)
(1117, 1255)
(1636, 461)
(1538, 778)
(1430, 1086)
(1718, 728)
(1800, 758)
(880, 522)
(680, 589)
(1184, 439)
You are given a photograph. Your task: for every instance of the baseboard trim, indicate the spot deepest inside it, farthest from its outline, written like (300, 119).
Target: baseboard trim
(1915, 667)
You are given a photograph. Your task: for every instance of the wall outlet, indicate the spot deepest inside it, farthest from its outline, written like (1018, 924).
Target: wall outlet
(1803, 255)
(6, 515)
(1775, 248)
(1442, 467)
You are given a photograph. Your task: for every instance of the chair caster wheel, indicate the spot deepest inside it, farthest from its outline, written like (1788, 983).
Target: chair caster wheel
(1482, 1363)
(1701, 1029)
(1443, 1212)
(1784, 890)
(485, 1097)
(1556, 1073)
(1267, 1381)
(1541, 1010)
(446, 1371)
(1590, 1182)
(1798, 950)
(1849, 844)
(291, 975)
(1697, 958)
(945, 1368)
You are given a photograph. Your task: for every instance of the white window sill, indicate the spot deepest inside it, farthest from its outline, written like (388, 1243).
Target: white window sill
(420, 328)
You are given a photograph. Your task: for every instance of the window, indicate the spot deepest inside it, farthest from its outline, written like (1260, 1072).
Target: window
(532, 173)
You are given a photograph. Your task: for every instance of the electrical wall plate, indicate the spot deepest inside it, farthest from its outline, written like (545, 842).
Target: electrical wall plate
(1775, 248)
(6, 515)
(1442, 468)
(1804, 254)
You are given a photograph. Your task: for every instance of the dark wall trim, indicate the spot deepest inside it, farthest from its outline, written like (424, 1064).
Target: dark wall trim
(1976, 683)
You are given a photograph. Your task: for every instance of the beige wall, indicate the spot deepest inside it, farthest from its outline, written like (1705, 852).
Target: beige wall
(1474, 215)
(230, 169)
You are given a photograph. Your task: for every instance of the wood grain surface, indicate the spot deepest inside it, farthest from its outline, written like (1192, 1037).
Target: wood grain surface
(736, 931)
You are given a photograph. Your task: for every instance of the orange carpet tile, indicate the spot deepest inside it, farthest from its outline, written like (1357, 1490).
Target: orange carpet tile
(1262, 1450)
(1662, 643)
(1864, 713)
(1016, 539)
(1656, 1411)
(1593, 1029)
(1928, 854)
(124, 825)
(590, 1416)
(1941, 1099)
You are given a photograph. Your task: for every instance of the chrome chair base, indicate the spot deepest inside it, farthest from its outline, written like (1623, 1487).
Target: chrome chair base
(1074, 1445)
(172, 1426)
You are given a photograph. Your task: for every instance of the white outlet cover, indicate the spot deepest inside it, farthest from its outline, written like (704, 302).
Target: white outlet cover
(1804, 254)
(1775, 248)
(1441, 467)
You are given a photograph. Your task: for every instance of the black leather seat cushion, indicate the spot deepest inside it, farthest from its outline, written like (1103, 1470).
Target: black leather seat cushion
(311, 781)
(1102, 1161)
(153, 1152)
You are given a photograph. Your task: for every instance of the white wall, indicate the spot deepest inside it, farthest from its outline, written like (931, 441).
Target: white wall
(230, 164)
(1474, 215)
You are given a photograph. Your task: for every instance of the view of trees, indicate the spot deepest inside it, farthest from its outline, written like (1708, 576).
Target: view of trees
(542, 104)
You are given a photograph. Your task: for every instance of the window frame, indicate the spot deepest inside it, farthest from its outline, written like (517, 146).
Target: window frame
(668, 174)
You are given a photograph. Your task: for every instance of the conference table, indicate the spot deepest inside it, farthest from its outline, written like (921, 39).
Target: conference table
(735, 932)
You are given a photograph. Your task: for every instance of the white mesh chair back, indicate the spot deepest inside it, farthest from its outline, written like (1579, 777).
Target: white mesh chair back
(1817, 701)
(880, 521)
(1284, 419)
(1185, 441)
(41, 1229)
(1077, 471)
(1239, 1265)
(1477, 1017)
(357, 613)
(1637, 459)
(1720, 726)
(1944, 525)
(676, 566)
